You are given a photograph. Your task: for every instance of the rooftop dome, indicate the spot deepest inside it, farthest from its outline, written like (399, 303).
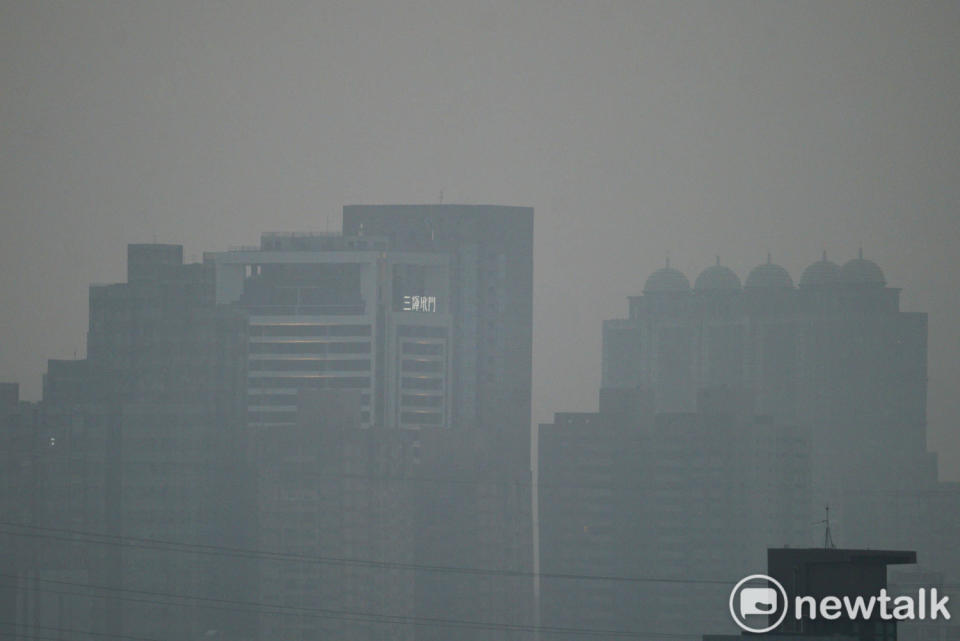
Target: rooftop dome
(769, 276)
(716, 278)
(861, 271)
(666, 279)
(822, 272)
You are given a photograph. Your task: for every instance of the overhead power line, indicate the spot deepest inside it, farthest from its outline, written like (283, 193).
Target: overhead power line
(236, 605)
(31, 626)
(96, 538)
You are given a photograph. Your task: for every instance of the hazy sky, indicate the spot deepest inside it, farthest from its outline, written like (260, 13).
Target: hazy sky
(635, 129)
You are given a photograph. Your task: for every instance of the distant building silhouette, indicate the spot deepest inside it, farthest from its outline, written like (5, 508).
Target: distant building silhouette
(399, 508)
(327, 489)
(357, 396)
(146, 441)
(490, 250)
(688, 500)
(835, 354)
(423, 315)
(708, 470)
(339, 312)
(20, 445)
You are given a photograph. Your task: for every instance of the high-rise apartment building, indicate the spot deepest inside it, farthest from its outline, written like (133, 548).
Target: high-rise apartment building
(661, 513)
(397, 533)
(835, 354)
(144, 440)
(20, 445)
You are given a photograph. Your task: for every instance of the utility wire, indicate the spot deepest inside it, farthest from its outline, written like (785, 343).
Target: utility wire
(251, 553)
(235, 605)
(31, 626)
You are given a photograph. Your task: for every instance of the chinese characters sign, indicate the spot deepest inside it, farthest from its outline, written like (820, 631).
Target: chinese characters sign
(419, 304)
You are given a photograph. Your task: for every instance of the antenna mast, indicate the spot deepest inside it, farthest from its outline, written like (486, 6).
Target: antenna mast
(828, 543)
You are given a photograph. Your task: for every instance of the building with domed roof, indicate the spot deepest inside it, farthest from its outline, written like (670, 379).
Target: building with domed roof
(823, 273)
(729, 415)
(769, 276)
(835, 353)
(717, 278)
(666, 280)
(861, 271)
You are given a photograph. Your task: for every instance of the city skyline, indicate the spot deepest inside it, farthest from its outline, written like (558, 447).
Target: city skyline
(170, 362)
(422, 319)
(634, 129)
(946, 469)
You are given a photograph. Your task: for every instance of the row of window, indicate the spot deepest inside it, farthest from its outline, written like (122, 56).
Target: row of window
(310, 365)
(310, 348)
(336, 382)
(421, 366)
(422, 349)
(287, 416)
(295, 331)
(421, 331)
(421, 418)
(340, 382)
(418, 383)
(289, 400)
(411, 400)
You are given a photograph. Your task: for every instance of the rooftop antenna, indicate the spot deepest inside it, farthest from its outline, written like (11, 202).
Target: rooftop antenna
(768, 258)
(718, 260)
(828, 543)
(824, 255)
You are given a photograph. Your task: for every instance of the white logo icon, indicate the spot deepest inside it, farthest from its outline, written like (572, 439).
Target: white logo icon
(756, 601)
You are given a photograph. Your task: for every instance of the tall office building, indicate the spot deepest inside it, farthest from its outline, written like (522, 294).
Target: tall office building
(328, 489)
(144, 440)
(490, 257)
(490, 252)
(380, 520)
(835, 354)
(341, 312)
(19, 449)
(423, 315)
(177, 424)
(686, 501)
